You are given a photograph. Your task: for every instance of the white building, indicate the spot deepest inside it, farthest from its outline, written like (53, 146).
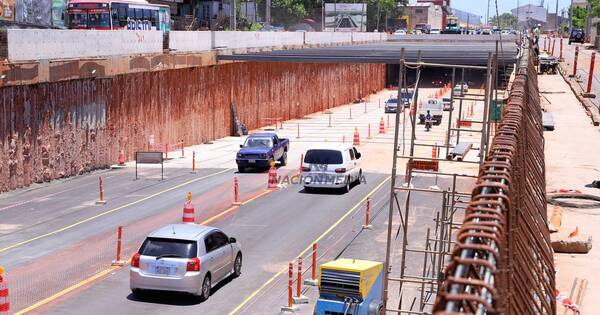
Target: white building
(530, 15)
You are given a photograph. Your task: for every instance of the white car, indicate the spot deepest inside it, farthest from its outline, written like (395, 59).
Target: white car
(435, 31)
(400, 32)
(331, 166)
(188, 258)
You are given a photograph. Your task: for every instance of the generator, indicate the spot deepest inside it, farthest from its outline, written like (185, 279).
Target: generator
(350, 287)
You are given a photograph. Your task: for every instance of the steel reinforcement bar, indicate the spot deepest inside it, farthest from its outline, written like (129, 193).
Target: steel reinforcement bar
(502, 261)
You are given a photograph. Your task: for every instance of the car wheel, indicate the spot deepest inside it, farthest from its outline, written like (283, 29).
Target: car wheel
(241, 169)
(346, 187)
(358, 179)
(283, 160)
(205, 293)
(237, 265)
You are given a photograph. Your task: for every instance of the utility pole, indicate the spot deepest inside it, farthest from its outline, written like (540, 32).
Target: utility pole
(571, 15)
(487, 17)
(233, 19)
(556, 21)
(268, 13)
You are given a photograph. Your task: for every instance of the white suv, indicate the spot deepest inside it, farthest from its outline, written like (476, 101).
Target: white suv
(331, 166)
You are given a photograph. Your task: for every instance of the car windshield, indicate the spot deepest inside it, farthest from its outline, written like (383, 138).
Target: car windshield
(392, 100)
(166, 247)
(323, 157)
(445, 99)
(253, 142)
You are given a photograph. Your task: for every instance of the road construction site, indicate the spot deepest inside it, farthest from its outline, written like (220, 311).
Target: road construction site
(455, 216)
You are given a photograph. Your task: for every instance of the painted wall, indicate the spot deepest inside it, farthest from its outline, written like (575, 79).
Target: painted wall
(61, 129)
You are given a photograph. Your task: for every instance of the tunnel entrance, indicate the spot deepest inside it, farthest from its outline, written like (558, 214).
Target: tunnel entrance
(432, 77)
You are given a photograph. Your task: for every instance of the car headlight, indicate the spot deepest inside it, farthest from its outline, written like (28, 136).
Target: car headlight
(263, 156)
(240, 155)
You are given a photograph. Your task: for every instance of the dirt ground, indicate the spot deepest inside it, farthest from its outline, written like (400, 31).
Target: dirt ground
(571, 163)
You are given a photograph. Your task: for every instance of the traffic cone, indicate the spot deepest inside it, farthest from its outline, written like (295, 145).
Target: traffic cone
(188, 211)
(272, 177)
(381, 126)
(4, 303)
(122, 158)
(434, 152)
(356, 137)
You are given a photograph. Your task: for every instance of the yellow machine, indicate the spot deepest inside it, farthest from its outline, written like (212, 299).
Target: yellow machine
(350, 287)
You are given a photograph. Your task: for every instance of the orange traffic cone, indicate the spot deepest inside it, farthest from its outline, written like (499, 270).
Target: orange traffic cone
(4, 303)
(122, 158)
(381, 126)
(356, 137)
(188, 211)
(272, 177)
(434, 152)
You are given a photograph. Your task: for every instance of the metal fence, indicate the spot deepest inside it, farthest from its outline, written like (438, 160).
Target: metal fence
(502, 260)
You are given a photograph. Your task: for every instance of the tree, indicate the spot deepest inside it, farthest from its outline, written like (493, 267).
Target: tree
(505, 20)
(579, 17)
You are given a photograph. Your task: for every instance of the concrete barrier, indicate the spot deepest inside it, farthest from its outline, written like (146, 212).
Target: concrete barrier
(451, 38)
(184, 41)
(368, 37)
(239, 39)
(313, 38)
(39, 44)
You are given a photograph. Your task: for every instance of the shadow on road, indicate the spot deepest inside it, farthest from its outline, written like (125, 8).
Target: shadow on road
(175, 298)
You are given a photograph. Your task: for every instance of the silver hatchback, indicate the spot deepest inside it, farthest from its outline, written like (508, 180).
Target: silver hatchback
(187, 258)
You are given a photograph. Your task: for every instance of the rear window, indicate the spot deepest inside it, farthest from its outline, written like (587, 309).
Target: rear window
(392, 100)
(323, 157)
(169, 248)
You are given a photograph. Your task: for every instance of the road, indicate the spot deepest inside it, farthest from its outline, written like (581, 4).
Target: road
(583, 67)
(57, 243)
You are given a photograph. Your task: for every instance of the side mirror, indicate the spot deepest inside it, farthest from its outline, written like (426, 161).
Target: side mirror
(358, 155)
(241, 145)
(232, 240)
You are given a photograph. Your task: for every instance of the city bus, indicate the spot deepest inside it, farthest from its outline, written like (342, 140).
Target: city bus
(117, 15)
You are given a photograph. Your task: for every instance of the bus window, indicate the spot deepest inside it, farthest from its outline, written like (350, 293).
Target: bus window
(155, 18)
(122, 16)
(98, 19)
(146, 15)
(130, 13)
(139, 14)
(78, 19)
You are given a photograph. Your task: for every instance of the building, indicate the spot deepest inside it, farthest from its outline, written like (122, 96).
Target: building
(530, 15)
(444, 5)
(467, 19)
(553, 22)
(33, 13)
(424, 13)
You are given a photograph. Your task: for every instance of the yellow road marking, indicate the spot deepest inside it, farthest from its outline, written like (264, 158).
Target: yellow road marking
(309, 247)
(113, 268)
(67, 290)
(68, 227)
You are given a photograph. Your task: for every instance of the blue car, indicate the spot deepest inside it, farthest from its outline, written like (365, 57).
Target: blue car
(260, 150)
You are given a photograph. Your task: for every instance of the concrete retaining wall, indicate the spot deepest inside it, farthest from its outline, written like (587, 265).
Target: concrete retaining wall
(61, 129)
(451, 38)
(234, 40)
(38, 44)
(183, 41)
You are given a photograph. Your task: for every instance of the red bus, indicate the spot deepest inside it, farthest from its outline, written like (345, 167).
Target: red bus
(117, 15)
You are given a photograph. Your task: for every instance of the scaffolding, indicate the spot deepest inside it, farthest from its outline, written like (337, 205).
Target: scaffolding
(417, 291)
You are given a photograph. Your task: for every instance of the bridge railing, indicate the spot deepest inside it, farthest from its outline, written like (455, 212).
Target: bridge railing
(502, 261)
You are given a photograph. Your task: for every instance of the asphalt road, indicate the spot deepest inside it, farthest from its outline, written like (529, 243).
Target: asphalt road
(57, 244)
(273, 230)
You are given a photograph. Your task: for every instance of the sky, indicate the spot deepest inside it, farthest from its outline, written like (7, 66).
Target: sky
(479, 7)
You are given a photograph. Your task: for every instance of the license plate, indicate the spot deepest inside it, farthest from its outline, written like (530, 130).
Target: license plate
(163, 270)
(251, 161)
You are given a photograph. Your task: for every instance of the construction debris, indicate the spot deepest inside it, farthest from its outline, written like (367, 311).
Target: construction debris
(577, 244)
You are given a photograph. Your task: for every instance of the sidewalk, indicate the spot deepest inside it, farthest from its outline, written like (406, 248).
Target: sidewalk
(572, 162)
